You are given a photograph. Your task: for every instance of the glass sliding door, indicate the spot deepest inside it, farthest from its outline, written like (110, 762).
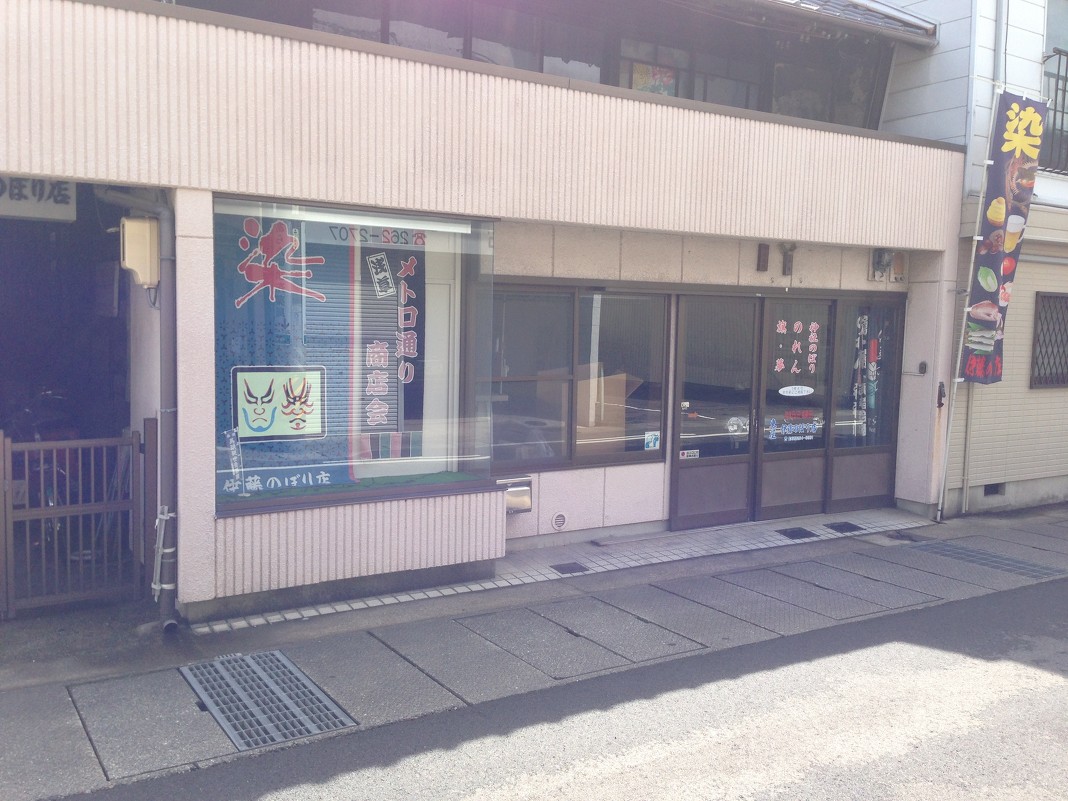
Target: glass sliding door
(712, 461)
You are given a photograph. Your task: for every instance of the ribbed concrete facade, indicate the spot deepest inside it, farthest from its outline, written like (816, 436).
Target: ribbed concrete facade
(276, 551)
(105, 94)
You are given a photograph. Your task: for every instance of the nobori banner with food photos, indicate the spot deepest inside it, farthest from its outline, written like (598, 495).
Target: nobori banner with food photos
(320, 365)
(1015, 142)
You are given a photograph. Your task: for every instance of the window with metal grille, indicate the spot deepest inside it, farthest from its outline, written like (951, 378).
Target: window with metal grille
(1049, 353)
(1054, 156)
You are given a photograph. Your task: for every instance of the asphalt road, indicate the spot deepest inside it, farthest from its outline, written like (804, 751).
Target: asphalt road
(964, 700)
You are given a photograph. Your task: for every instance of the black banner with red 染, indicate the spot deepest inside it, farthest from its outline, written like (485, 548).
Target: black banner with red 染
(1016, 138)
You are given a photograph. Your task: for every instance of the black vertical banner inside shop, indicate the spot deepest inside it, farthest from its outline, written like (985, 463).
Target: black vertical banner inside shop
(389, 352)
(1015, 141)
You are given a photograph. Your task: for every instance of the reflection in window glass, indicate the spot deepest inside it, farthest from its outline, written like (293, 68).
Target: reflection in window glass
(362, 19)
(532, 334)
(572, 52)
(854, 86)
(530, 422)
(795, 375)
(866, 375)
(620, 376)
(433, 26)
(801, 91)
(716, 367)
(505, 37)
(337, 366)
(532, 363)
(598, 398)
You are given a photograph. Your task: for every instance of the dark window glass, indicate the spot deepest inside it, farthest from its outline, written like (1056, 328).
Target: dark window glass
(802, 91)
(716, 366)
(854, 86)
(552, 400)
(572, 52)
(620, 376)
(1049, 358)
(532, 363)
(867, 350)
(434, 26)
(505, 37)
(727, 81)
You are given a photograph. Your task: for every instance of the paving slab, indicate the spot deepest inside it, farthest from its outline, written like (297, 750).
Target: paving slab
(1046, 527)
(546, 645)
(878, 592)
(745, 604)
(616, 630)
(864, 564)
(467, 664)
(370, 681)
(710, 627)
(1015, 550)
(45, 752)
(912, 556)
(1032, 539)
(794, 591)
(148, 722)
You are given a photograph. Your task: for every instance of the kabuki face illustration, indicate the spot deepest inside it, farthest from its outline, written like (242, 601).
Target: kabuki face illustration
(272, 403)
(259, 409)
(297, 406)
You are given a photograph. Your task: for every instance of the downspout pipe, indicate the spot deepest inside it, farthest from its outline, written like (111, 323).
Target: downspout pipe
(168, 390)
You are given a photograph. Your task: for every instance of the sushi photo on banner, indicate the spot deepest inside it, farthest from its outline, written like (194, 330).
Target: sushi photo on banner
(1015, 143)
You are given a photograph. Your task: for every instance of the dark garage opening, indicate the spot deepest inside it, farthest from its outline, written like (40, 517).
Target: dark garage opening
(63, 326)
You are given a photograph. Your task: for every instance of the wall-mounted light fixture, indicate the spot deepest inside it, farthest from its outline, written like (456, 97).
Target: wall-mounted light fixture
(787, 249)
(763, 251)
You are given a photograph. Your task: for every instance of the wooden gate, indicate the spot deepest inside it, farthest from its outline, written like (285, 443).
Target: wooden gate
(70, 522)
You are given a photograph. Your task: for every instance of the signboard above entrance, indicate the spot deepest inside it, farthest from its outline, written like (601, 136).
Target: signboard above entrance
(38, 198)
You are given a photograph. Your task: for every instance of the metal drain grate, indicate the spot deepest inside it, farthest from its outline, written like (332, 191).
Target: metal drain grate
(844, 527)
(796, 533)
(988, 559)
(261, 699)
(569, 567)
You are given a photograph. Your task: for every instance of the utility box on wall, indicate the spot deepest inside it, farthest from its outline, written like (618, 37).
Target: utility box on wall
(139, 243)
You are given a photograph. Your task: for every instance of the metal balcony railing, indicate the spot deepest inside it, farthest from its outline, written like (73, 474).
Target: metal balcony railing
(1055, 138)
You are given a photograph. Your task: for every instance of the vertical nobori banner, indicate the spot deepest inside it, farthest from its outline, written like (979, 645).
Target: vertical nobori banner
(1016, 138)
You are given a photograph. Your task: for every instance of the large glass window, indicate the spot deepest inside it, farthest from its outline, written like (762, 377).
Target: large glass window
(620, 376)
(338, 351)
(576, 375)
(532, 371)
(867, 354)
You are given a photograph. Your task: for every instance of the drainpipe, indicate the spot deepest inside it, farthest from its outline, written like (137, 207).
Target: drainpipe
(168, 391)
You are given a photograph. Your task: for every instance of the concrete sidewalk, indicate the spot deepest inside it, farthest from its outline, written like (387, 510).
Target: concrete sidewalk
(93, 698)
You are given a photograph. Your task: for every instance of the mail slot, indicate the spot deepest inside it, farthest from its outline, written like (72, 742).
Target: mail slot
(517, 494)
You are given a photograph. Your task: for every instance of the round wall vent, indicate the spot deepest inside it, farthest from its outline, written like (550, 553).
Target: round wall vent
(559, 521)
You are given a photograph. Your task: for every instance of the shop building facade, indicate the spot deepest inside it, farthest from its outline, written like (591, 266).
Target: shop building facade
(428, 308)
